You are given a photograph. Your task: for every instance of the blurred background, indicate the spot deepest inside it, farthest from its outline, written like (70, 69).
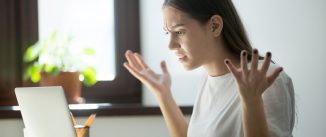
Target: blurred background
(293, 30)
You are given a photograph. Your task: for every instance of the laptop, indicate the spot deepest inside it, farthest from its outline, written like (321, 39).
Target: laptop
(45, 111)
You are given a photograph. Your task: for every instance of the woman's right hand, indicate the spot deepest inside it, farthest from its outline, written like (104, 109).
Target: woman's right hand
(158, 83)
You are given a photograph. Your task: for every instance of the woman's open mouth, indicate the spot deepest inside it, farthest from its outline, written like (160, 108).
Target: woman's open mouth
(181, 57)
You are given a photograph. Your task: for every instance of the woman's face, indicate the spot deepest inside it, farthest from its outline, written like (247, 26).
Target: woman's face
(191, 41)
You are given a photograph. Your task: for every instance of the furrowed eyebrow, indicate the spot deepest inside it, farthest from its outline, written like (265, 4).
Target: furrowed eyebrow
(177, 25)
(174, 26)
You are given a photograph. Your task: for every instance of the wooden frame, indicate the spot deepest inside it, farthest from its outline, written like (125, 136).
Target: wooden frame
(19, 28)
(125, 88)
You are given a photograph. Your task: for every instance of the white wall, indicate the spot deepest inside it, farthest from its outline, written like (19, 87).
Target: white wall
(292, 29)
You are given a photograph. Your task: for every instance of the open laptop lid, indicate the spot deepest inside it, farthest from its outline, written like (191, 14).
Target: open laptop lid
(45, 111)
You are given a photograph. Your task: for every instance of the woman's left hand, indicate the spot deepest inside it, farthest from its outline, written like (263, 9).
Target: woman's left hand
(252, 83)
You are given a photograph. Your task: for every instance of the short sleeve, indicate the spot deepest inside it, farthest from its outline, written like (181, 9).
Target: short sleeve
(279, 107)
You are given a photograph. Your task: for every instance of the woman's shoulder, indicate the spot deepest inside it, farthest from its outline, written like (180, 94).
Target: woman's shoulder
(283, 75)
(282, 86)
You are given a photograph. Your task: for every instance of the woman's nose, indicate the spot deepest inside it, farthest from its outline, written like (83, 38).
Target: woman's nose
(173, 44)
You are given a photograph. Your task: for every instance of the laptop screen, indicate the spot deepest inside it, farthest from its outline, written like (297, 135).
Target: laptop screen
(45, 111)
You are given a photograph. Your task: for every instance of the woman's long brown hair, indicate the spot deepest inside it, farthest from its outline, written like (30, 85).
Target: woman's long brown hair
(233, 31)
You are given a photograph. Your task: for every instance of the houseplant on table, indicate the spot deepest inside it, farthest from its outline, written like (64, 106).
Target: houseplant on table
(55, 62)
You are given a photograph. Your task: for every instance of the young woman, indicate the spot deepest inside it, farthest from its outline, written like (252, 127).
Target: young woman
(242, 94)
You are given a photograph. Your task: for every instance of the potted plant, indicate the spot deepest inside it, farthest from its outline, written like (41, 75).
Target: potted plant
(55, 62)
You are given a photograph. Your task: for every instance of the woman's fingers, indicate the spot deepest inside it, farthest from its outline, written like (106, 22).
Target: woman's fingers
(254, 60)
(132, 61)
(267, 62)
(244, 62)
(134, 72)
(164, 67)
(271, 78)
(231, 68)
(140, 60)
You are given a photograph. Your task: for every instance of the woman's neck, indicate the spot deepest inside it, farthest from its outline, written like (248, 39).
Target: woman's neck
(216, 66)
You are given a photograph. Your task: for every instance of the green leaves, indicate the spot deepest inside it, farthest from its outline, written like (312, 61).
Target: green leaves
(89, 74)
(57, 54)
(51, 69)
(88, 51)
(33, 73)
(53, 37)
(31, 54)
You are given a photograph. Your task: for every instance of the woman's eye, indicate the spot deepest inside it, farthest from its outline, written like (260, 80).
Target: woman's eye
(179, 32)
(176, 32)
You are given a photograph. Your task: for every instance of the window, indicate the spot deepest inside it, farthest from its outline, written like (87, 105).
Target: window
(19, 29)
(124, 88)
(89, 23)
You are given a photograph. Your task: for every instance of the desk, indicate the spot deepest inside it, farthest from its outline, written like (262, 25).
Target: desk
(101, 109)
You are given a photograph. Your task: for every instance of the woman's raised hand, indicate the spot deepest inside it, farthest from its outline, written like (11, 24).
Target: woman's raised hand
(158, 83)
(252, 83)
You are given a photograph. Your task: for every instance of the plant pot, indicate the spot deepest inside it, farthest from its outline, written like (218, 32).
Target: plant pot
(70, 83)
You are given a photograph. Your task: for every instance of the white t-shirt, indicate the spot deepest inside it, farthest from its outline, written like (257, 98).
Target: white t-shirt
(218, 113)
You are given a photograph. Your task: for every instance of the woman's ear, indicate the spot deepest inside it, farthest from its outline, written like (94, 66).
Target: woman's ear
(215, 25)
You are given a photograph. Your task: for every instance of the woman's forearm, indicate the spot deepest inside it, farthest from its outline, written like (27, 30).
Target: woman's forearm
(173, 116)
(254, 119)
